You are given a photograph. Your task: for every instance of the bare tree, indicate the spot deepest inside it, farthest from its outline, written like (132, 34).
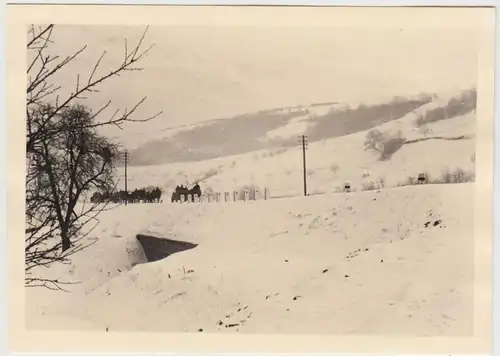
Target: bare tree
(374, 141)
(64, 167)
(66, 157)
(384, 144)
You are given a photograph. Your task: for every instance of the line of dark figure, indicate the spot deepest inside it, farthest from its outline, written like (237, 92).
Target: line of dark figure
(142, 195)
(188, 194)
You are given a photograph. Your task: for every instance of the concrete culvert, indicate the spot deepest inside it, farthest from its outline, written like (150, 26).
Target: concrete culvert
(158, 248)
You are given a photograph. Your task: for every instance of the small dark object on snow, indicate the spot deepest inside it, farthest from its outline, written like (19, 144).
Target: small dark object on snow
(231, 325)
(435, 223)
(286, 260)
(366, 249)
(346, 276)
(106, 329)
(190, 271)
(220, 322)
(296, 297)
(200, 330)
(421, 178)
(381, 261)
(267, 296)
(325, 270)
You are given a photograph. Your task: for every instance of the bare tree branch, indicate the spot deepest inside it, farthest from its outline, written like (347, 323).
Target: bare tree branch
(66, 158)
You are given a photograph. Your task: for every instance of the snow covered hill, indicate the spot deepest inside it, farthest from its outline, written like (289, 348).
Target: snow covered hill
(396, 259)
(331, 162)
(279, 127)
(391, 261)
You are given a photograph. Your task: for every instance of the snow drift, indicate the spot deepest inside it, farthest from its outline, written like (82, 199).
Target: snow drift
(391, 261)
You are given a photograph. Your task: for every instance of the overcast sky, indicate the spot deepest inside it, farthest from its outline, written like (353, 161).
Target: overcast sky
(198, 73)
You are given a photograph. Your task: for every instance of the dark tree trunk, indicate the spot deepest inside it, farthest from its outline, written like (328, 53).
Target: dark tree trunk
(65, 241)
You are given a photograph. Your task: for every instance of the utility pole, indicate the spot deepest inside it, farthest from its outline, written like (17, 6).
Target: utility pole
(303, 140)
(126, 189)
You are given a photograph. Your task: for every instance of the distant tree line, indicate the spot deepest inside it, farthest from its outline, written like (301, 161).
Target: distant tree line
(461, 104)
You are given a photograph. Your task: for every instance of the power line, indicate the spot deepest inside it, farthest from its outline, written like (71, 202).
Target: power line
(126, 188)
(303, 141)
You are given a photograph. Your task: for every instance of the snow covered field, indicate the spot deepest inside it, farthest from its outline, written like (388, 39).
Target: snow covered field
(396, 260)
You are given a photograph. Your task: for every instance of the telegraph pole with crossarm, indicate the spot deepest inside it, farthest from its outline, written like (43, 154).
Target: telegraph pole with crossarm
(303, 141)
(126, 188)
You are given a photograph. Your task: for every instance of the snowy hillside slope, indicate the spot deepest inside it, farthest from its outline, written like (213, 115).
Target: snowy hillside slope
(272, 129)
(330, 163)
(391, 261)
(268, 129)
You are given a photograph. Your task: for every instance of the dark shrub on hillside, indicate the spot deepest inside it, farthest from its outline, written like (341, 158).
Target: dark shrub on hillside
(459, 105)
(383, 144)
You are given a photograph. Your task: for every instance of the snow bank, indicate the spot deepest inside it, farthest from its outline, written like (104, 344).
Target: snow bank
(391, 261)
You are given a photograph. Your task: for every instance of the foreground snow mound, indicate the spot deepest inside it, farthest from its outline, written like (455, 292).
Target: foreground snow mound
(392, 261)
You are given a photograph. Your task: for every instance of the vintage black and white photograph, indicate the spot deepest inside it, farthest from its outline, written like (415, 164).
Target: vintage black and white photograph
(291, 178)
